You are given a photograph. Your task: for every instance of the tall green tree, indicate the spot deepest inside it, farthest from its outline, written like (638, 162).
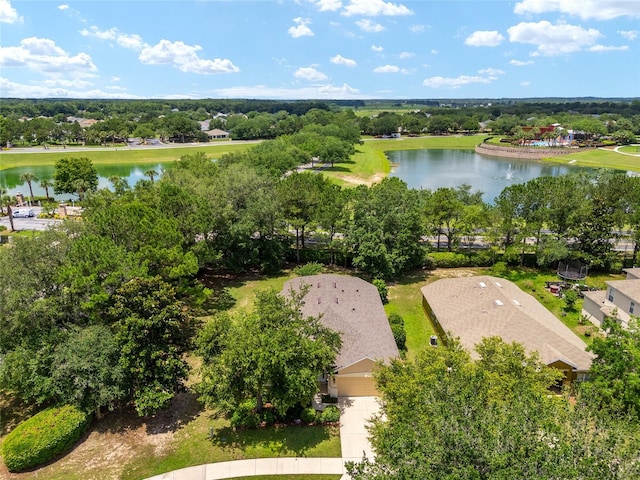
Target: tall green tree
(153, 332)
(273, 353)
(29, 178)
(71, 173)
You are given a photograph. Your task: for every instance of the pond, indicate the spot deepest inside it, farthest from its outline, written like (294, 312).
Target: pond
(432, 169)
(10, 178)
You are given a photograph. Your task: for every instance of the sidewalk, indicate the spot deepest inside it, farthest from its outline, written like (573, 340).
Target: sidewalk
(355, 413)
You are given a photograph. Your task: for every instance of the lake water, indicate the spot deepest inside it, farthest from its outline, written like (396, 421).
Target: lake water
(10, 178)
(432, 169)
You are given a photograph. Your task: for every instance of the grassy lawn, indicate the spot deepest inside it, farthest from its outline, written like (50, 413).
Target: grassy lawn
(117, 155)
(292, 477)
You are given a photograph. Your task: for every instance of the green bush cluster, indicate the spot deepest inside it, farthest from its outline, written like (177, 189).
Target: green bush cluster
(245, 415)
(330, 414)
(43, 436)
(453, 260)
(308, 415)
(397, 329)
(308, 269)
(383, 290)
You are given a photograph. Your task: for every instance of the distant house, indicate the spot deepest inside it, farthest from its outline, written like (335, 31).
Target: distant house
(473, 308)
(217, 134)
(351, 307)
(620, 300)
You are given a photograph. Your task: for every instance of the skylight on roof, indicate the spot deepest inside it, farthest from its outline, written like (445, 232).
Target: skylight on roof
(482, 284)
(499, 303)
(498, 285)
(517, 303)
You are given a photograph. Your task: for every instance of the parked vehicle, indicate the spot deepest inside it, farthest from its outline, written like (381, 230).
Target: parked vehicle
(23, 212)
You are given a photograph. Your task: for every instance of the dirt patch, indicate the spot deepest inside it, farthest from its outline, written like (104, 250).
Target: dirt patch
(117, 439)
(361, 181)
(454, 272)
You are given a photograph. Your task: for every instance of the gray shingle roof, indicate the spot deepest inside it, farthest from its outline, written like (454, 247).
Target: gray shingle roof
(352, 307)
(471, 311)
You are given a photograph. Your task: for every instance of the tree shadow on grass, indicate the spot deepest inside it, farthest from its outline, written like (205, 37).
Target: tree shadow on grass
(279, 440)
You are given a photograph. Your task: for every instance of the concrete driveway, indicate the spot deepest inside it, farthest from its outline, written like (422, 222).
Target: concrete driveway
(354, 419)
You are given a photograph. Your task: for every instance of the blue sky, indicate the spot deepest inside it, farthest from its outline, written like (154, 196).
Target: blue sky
(320, 49)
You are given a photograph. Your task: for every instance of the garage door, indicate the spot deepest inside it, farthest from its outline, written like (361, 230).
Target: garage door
(356, 387)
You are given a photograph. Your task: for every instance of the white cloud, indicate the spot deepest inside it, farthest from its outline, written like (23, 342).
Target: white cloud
(115, 79)
(317, 91)
(340, 60)
(42, 90)
(585, 9)
(417, 28)
(520, 63)
(484, 39)
(369, 26)
(391, 69)
(434, 52)
(373, 8)
(63, 7)
(630, 35)
(327, 5)
(185, 58)
(405, 55)
(8, 14)
(553, 40)
(301, 28)
(125, 40)
(607, 48)
(44, 56)
(487, 75)
(377, 48)
(310, 73)
(525, 83)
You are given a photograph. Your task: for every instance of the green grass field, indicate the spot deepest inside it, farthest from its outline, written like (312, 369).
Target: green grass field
(117, 155)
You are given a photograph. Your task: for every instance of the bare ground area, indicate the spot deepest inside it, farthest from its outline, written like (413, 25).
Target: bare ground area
(361, 181)
(114, 441)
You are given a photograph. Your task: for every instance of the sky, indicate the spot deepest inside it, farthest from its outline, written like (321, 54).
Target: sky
(319, 49)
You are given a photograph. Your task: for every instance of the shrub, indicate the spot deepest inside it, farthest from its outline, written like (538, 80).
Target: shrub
(268, 416)
(43, 436)
(499, 269)
(396, 319)
(2, 228)
(330, 414)
(382, 290)
(399, 335)
(308, 415)
(311, 268)
(452, 259)
(245, 415)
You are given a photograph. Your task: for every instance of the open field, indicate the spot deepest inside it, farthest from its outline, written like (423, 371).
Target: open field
(117, 155)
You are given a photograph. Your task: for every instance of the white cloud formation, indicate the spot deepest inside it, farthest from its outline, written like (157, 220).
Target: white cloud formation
(8, 14)
(367, 25)
(487, 75)
(327, 5)
(417, 28)
(521, 63)
(184, 57)
(630, 35)
(585, 9)
(525, 83)
(551, 40)
(311, 92)
(340, 60)
(608, 48)
(391, 69)
(377, 48)
(125, 40)
(44, 56)
(373, 8)
(310, 74)
(484, 39)
(301, 28)
(63, 7)
(43, 90)
(405, 55)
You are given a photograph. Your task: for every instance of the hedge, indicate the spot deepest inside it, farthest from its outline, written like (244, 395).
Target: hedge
(43, 436)
(453, 259)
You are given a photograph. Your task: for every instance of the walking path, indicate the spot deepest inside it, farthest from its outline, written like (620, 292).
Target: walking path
(356, 411)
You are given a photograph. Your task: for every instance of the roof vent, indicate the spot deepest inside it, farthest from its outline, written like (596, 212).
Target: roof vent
(482, 284)
(499, 303)
(319, 300)
(337, 300)
(516, 302)
(498, 285)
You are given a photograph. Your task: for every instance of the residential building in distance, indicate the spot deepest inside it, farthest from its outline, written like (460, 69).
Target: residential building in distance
(620, 300)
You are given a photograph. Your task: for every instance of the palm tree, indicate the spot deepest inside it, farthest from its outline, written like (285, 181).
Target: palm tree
(29, 177)
(120, 185)
(4, 199)
(151, 174)
(81, 187)
(46, 184)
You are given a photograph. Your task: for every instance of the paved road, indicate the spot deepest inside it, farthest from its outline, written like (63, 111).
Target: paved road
(29, 223)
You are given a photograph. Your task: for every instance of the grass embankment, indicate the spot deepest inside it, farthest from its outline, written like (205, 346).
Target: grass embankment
(117, 155)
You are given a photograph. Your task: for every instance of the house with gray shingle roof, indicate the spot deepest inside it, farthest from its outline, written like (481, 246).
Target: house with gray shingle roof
(351, 307)
(621, 300)
(472, 308)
